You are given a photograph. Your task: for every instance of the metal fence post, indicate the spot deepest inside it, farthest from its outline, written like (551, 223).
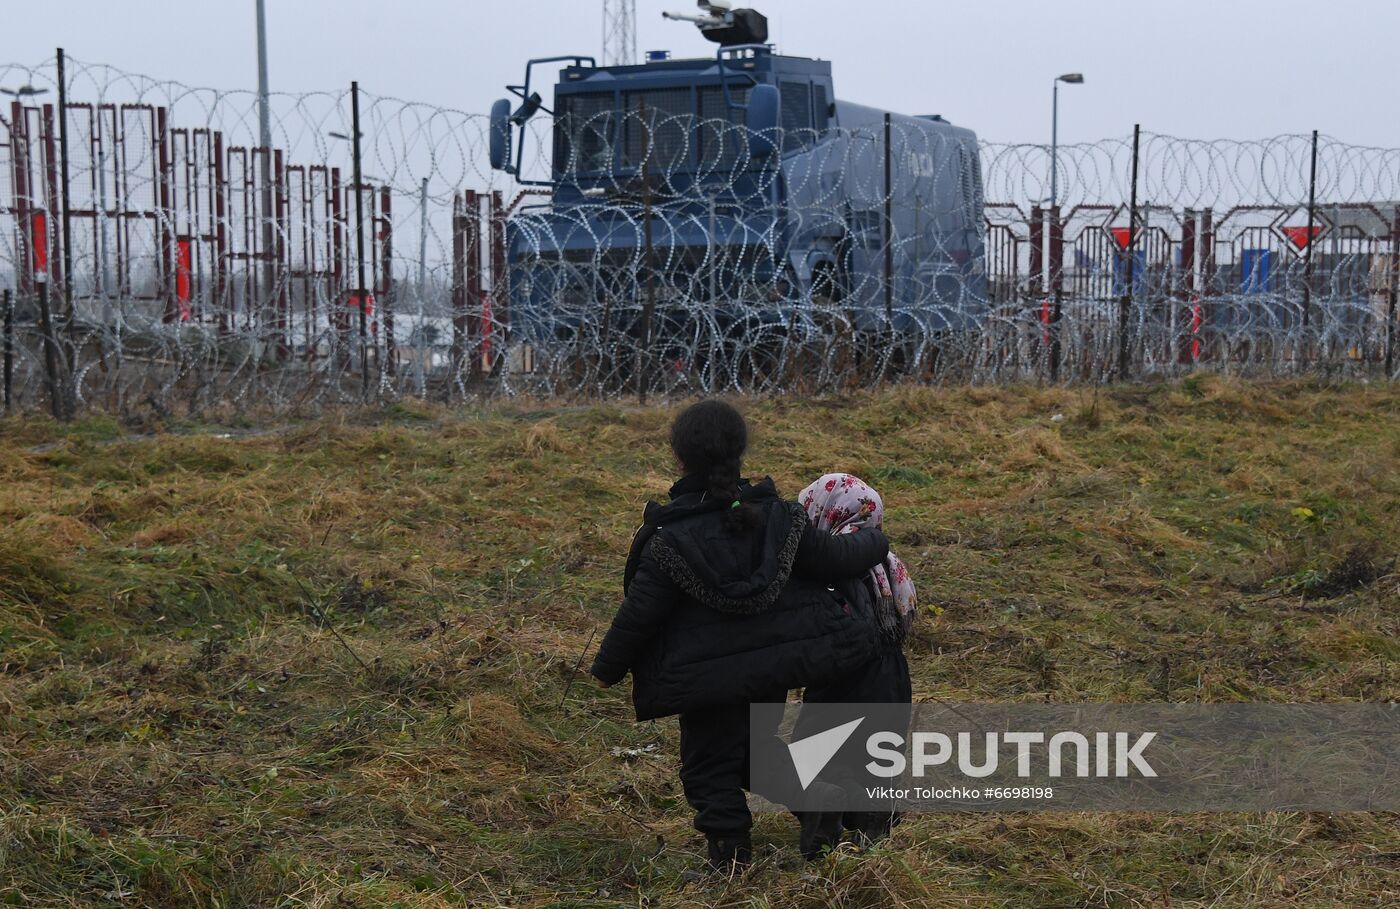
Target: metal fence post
(20, 190)
(1036, 275)
(422, 241)
(477, 323)
(337, 319)
(360, 291)
(1036, 286)
(51, 378)
(280, 265)
(1394, 290)
(270, 264)
(1125, 304)
(644, 351)
(1307, 250)
(1057, 285)
(500, 292)
(422, 279)
(386, 281)
(1207, 288)
(889, 230)
(165, 215)
(65, 221)
(67, 351)
(1181, 345)
(458, 294)
(9, 348)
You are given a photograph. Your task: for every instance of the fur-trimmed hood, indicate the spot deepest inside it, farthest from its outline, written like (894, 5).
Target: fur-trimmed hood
(739, 573)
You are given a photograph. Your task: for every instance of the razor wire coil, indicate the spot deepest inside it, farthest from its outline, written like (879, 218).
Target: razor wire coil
(666, 255)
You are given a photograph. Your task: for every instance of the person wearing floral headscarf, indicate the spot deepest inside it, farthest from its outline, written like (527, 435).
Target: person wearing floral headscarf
(839, 503)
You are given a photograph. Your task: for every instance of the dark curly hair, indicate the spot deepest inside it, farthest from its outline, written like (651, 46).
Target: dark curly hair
(710, 438)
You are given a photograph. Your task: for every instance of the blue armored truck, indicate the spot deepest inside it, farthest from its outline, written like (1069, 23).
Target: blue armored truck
(734, 190)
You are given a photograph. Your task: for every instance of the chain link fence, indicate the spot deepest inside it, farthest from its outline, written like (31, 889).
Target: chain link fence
(156, 254)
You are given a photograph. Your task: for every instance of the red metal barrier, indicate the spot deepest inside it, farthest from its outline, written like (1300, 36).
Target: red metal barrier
(183, 262)
(39, 244)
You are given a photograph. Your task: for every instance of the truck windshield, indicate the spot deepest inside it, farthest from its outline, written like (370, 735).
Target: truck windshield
(583, 133)
(686, 127)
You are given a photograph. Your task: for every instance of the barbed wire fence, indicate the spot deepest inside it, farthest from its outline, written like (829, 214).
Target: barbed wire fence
(153, 255)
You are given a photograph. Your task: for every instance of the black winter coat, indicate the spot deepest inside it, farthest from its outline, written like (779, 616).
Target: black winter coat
(712, 617)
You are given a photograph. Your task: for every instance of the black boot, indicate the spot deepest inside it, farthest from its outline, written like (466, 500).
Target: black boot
(730, 853)
(821, 830)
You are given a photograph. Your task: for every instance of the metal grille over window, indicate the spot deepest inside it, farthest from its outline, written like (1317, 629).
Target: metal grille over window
(670, 118)
(723, 139)
(797, 115)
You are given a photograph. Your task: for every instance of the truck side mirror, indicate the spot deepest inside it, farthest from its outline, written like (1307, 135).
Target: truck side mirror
(498, 135)
(762, 118)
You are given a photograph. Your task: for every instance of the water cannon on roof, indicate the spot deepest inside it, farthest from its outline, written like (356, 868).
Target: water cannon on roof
(726, 26)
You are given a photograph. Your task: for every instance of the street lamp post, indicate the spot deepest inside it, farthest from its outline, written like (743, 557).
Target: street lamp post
(1068, 79)
(1056, 266)
(269, 271)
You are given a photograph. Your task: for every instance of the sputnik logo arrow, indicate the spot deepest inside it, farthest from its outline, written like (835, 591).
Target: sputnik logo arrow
(811, 755)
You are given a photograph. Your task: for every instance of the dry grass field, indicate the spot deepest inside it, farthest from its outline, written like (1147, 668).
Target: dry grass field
(328, 663)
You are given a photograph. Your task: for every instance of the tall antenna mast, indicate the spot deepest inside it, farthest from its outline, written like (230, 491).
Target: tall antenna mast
(619, 32)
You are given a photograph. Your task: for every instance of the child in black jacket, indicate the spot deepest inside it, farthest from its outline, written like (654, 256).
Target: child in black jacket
(727, 602)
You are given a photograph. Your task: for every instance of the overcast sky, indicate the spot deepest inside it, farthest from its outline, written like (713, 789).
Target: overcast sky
(1198, 68)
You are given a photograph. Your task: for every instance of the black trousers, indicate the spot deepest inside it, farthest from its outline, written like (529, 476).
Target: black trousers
(884, 680)
(715, 745)
(715, 752)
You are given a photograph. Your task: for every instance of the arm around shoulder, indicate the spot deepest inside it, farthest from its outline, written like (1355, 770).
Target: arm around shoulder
(828, 558)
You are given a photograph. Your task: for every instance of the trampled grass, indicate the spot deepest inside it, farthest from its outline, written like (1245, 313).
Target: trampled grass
(330, 664)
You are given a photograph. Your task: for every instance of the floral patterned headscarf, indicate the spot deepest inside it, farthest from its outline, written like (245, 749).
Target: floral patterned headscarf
(842, 503)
